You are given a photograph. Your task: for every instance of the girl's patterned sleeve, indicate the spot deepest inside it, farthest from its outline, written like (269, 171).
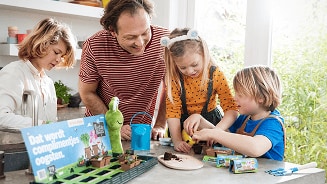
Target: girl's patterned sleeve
(220, 85)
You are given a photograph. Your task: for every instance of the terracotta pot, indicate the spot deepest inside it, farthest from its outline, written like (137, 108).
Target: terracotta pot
(21, 37)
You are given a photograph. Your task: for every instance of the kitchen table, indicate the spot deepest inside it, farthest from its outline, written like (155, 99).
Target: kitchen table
(208, 174)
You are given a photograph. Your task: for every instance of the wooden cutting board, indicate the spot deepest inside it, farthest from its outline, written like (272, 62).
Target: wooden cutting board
(185, 162)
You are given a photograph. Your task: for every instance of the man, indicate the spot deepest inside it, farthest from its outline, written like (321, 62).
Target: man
(125, 60)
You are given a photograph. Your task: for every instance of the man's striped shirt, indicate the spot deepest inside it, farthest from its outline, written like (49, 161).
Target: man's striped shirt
(133, 79)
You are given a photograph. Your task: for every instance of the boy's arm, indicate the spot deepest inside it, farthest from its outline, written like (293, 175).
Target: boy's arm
(228, 120)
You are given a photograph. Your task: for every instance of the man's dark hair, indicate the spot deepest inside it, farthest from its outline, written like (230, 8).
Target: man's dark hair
(115, 7)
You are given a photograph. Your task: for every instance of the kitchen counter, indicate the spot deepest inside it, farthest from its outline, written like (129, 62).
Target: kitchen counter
(208, 174)
(67, 113)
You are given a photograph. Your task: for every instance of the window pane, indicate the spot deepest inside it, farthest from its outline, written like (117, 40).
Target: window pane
(222, 24)
(299, 51)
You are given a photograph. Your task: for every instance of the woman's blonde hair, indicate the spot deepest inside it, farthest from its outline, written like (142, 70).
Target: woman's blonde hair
(260, 82)
(48, 32)
(179, 49)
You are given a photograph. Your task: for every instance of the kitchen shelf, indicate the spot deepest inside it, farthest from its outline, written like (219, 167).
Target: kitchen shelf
(8, 49)
(55, 8)
(12, 50)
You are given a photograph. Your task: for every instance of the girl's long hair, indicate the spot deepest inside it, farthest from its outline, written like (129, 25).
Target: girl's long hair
(179, 49)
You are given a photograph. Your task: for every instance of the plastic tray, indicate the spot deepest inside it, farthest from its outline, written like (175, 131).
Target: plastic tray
(134, 172)
(121, 176)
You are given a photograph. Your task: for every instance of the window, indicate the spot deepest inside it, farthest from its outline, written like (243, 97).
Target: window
(299, 52)
(222, 25)
(293, 35)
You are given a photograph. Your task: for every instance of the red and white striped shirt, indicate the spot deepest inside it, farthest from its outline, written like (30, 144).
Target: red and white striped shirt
(133, 79)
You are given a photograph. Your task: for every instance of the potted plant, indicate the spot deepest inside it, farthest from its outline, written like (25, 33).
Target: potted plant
(128, 161)
(62, 92)
(98, 161)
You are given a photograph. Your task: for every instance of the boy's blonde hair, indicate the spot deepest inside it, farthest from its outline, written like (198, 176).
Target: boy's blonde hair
(48, 32)
(179, 49)
(261, 83)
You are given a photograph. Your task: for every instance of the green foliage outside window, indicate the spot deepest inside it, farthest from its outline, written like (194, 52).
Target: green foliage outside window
(304, 104)
(303, 72)
(299, 56)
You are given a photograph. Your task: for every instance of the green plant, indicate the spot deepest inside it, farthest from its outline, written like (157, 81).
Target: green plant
(62, 92)
(302, 68)
(85, 138)
(304, 100)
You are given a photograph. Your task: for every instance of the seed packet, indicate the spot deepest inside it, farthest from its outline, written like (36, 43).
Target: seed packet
(243, 165)
(218, 151)
(224, 160)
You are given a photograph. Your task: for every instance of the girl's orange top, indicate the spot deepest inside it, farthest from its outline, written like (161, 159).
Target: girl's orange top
(196, 96)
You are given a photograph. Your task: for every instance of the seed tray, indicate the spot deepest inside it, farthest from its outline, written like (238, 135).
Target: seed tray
(116, 175)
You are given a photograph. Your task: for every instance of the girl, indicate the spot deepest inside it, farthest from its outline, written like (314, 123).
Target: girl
(51, 44)
(193, 82)
(259, 130)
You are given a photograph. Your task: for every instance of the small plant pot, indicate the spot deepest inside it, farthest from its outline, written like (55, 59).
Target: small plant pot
(125, 167)
(197, 148)
(107, 160)
(100, 163)
(97, 163)
(137, 162)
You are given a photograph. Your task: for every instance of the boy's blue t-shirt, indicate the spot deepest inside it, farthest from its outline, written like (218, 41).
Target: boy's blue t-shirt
(270, 128)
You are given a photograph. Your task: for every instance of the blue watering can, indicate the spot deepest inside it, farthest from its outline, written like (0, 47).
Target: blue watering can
(141, 134)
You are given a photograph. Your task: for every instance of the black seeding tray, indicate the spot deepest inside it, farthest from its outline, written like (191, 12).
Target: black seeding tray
(111, 174)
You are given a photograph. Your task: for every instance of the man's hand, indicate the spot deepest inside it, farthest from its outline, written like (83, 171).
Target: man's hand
(126, 132)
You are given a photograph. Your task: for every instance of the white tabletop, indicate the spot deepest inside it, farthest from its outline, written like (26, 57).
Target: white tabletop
(208, 174)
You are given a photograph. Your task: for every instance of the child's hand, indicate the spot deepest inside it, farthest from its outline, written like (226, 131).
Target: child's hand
(206, 135)
(192, 123)
(157, 132)
(182, 146)
(201, 135)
